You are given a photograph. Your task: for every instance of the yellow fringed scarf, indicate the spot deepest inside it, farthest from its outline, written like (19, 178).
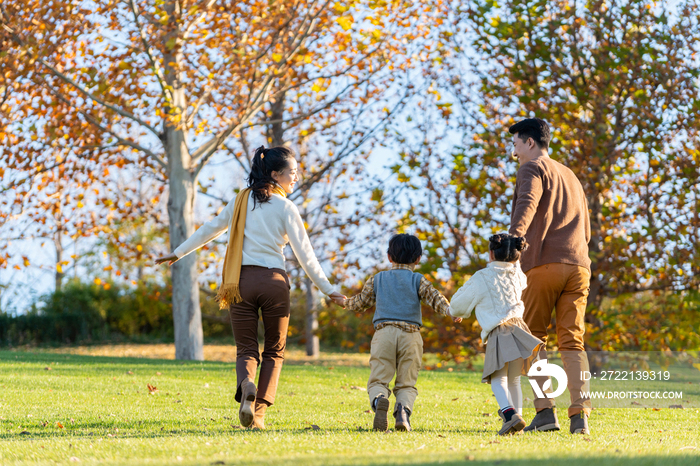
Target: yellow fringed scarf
(229, 291)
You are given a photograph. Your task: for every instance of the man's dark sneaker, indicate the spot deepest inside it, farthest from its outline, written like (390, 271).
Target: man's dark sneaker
(579, 424)
(543, 421)
(516, 424)
(381, 414)
(402, 415)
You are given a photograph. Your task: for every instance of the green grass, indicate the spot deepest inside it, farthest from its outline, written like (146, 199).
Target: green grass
(109, 417)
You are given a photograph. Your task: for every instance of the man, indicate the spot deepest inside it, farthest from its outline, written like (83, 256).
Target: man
(551, 211)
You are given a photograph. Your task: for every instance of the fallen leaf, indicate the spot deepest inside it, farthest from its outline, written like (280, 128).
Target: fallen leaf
(74, 459)
(469, 458)
(421, 447)
(129, 373)
(47, 368)
(314, 427)
(24, 432)
(59, 425)
(368, 411)
(689, 447)
(355, 387)
(486, 414)
(676, 406)
(455, 399)
(657, 409)
(158, 373)
(441, 436)
(152, 388)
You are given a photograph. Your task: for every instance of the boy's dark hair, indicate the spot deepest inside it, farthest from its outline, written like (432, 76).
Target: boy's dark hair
(534, 128)
(507, 248)
(265, 161)
(404, 249)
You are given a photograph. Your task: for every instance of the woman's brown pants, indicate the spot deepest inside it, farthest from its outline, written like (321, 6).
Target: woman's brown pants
(266, 290)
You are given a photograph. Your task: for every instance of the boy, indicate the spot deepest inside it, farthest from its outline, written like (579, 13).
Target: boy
(397, 347)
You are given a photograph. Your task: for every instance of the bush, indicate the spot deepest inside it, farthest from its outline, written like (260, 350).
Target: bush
(86, 312)
(648, 321)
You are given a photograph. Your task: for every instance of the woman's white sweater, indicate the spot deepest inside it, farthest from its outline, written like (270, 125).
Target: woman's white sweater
(268, 229)
(495, 293)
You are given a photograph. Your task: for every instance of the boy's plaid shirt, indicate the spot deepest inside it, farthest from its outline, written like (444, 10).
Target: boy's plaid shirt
(428, 294)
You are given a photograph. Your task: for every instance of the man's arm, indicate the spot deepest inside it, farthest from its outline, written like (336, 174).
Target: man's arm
(364, 300)
(528, 192)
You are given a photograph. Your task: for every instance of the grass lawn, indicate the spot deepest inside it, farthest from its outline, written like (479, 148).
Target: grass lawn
(58, 408)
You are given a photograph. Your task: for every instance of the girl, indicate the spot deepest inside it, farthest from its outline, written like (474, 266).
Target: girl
(262, 221)
(495, 293)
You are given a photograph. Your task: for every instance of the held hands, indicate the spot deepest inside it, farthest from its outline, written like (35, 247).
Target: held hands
(457, 320)
(170, 259)
(338, 298)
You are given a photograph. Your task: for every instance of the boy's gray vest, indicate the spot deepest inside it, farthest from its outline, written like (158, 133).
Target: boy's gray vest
(396, 293)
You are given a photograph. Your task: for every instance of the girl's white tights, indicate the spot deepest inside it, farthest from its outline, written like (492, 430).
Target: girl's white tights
(505, 384)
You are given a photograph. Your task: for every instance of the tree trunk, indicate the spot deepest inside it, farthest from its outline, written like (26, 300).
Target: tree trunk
(187, 317)
(58, 242)
(312, 343)
(594, 295)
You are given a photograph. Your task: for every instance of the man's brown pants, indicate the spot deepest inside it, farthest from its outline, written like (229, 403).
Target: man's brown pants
(266, 290)
(564, 288)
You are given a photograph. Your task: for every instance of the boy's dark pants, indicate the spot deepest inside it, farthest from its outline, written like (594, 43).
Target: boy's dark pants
(266, 290)
(563, 288)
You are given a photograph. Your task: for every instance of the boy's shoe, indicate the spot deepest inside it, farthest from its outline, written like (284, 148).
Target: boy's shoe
(246, 413)
(516, 424)
(544, 421)
(579, 424)
(403, 421)
(500, 414)
(381, 414)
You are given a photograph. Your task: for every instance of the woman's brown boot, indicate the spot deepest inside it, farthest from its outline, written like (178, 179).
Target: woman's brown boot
(259, 421)
(245, 412)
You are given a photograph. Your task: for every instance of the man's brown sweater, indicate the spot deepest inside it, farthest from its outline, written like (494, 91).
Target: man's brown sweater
(550, 209)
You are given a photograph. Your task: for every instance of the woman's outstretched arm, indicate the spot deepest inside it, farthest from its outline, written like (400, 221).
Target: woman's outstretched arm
(204, 234)
(299, 240)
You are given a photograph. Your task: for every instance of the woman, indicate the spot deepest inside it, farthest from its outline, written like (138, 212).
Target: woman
(262, 221)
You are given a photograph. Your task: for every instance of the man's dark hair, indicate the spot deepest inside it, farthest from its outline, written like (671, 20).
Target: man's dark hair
(534, 128)
(404, 249)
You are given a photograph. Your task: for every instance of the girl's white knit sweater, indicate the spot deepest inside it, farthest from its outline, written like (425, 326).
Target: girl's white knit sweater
(495, 293)
(268, 229)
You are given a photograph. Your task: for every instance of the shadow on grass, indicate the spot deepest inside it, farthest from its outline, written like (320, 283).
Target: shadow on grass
(473, 459)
